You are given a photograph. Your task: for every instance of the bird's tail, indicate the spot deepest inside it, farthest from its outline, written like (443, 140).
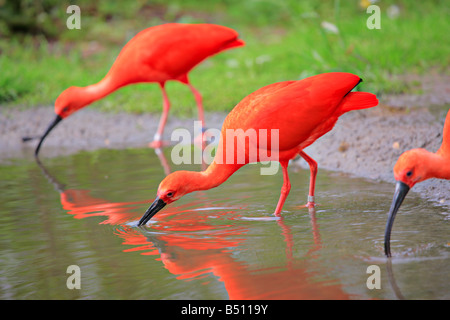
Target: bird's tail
(233, 44)
(358, 100)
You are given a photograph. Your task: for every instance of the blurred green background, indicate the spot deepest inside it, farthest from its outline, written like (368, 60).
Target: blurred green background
(286, 40)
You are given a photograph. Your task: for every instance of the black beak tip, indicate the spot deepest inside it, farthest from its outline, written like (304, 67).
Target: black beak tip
(154, 208)
(142, 221)
(387, 250)
(401, 190)
(50, 128)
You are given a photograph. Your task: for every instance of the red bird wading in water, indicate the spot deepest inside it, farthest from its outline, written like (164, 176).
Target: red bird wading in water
(301, 111)
(157, 54)
(415, 166)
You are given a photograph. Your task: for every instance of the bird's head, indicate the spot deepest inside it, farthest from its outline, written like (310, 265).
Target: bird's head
(410, 169)
(172, 188)
(69, 101)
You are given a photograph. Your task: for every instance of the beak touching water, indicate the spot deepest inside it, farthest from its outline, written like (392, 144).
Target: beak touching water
(156, 206)
(401, 190)
(50, 128)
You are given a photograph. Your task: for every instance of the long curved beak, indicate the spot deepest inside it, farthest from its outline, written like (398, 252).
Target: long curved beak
(156, 206)
(401, 190)
(50, 128)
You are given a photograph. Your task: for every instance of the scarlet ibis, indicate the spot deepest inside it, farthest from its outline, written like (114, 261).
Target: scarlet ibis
(156, 54)
(414, 166)
(301, 111)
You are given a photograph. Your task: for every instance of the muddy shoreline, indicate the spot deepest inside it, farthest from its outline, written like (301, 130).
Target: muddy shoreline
(363, 143)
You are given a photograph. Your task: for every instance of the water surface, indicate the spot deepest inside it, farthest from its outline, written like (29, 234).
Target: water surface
(223, 243)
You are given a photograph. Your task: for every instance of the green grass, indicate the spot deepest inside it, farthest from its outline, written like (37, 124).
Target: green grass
(285, 41)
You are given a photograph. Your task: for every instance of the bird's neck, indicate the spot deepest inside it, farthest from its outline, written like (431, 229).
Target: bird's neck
(98, 90)
(444, 150)
(445, 167)
(439, 165)
(212, 177)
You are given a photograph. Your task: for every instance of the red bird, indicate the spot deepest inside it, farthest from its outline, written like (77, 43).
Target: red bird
(300, 111)
(415, 166)
(157, 54)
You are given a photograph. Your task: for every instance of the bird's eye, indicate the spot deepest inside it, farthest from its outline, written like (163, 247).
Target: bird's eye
(409, 173)
(169, 195)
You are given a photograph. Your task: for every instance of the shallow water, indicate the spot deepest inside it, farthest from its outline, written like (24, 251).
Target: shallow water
(223, 243)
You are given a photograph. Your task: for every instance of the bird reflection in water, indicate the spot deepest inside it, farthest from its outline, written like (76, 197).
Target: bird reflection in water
(204, 238)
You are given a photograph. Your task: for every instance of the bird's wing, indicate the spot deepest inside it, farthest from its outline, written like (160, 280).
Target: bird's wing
(295, 108)
(171, 50)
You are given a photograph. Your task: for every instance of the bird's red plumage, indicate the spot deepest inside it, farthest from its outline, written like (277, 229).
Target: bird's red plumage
(169, 51)
(301, 110)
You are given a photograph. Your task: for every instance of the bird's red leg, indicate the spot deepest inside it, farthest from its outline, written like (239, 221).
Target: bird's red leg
(199, 140)
(312, 179)
(285, 189)
(199, 100)
(157, 143)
